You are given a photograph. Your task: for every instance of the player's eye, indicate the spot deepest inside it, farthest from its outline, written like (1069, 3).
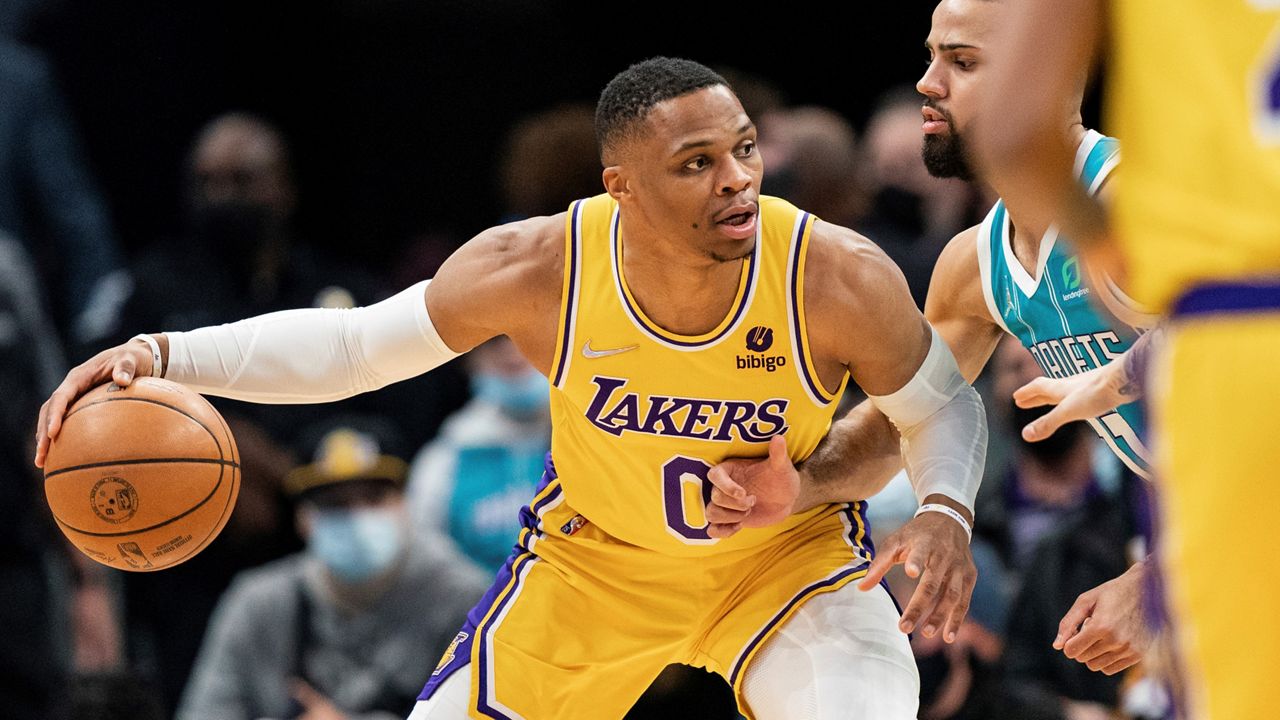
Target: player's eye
(747, 149)
(697, 163)
(965, 64)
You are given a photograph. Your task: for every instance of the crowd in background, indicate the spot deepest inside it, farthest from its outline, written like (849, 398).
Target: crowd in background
(366, 529)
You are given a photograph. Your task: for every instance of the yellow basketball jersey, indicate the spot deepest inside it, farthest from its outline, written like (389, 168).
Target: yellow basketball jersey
(1194, 96)
(641, 414)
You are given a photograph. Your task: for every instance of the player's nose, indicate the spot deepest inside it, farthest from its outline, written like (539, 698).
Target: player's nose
(930, 84)
(737, 177)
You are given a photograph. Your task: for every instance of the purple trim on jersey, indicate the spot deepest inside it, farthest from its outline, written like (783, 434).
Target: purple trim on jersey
(800, 597)
(805, 373)
(1218, 298)
(571, 299)
(638, 317)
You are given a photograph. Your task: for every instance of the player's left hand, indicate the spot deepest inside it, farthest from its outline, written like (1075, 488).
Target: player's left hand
(1077, 397)
(752, 492)
(315, 705)
(935, 549)
(1105, 629)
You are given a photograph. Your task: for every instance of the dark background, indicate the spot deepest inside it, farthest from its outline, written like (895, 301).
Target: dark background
(396, 109)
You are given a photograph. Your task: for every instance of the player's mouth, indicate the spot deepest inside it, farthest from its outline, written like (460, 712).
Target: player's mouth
(935, 122)
(738, 221)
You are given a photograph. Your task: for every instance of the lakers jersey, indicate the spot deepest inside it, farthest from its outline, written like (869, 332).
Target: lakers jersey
(1194, 91)
(640, 414)
(1054, 313)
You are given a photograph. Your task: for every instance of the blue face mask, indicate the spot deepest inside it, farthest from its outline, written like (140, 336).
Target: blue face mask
(356, 545)
(520, 396)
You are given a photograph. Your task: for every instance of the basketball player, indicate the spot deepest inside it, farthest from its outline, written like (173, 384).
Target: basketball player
(1193, 87)
(681, 318)
(1002, 276)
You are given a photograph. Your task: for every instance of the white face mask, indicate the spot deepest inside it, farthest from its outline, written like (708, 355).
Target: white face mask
(356, 545)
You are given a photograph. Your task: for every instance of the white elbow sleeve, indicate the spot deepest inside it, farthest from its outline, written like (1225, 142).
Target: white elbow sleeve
(943, 427)
(312, 355)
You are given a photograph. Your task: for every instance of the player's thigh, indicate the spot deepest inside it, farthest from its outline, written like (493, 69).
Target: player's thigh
(840, 655)
(450, 700)
(1218, 388)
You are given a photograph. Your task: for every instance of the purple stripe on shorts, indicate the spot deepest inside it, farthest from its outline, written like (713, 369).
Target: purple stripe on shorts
(800, 597)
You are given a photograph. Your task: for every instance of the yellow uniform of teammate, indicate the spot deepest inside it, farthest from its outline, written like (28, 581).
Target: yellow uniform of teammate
(642, 415)
(1197, 216)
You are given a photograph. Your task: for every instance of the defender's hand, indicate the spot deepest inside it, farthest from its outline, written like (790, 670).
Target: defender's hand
(1078, 397)
(1105, 628)
(120, 364)
(752, 492)
(935, 549)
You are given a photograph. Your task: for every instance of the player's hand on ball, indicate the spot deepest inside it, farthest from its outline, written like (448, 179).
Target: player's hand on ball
(1105, 628)
(935, 549)
(752, 492)
(120, 364)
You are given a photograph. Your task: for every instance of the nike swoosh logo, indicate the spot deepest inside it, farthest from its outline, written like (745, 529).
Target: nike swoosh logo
(589, 353)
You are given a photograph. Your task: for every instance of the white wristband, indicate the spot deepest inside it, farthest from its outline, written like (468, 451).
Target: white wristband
(949, 511)
(156, 369)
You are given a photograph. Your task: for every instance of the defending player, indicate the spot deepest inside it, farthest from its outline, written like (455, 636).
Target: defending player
(681, 318)
(1003, 276)
(1193, 87)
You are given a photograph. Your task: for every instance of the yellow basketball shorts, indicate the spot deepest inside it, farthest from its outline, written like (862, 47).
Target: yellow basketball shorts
(578, 623)
(1216, 401)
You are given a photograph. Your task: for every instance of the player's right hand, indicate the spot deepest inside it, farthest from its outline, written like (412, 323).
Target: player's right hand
(752, 492)
(120, 364)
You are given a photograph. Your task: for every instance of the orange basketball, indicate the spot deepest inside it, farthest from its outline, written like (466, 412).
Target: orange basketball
(144, 477)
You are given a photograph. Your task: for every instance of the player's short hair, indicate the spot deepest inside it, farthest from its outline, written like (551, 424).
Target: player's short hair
(632, 93)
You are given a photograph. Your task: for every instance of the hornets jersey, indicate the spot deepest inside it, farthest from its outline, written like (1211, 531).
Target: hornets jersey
(642, 414)
(1055, 312)
(1201, 126)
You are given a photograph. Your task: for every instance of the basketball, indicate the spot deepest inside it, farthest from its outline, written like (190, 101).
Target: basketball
(144, 477)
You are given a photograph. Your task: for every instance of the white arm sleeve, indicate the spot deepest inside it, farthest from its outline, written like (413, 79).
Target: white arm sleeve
(943, 427)
(313, 355)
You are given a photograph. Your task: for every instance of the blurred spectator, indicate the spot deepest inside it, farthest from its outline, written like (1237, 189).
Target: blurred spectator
(1045, 483)
(240, 256)
(114, 696)
(550, 160)
(48, 197)
(812, 157)
(352, 626)
(471, 481)
(1063, 534)
(912, 215)
(35, 648)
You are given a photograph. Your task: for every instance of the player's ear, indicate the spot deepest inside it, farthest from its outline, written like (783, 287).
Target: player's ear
(615, 182)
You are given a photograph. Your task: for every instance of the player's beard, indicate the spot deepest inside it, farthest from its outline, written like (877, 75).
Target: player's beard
(945, 156)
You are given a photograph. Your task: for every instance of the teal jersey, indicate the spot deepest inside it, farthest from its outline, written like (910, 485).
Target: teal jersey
(1069, 323)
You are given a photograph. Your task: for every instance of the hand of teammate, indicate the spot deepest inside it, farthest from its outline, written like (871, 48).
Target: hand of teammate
(120, 364)
(1105, 628)
(752, 492)
(315, 705)
(935, 549)
(1078, 397)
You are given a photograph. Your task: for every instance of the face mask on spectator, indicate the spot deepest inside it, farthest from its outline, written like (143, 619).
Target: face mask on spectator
(520, 396)
(1051, 449)
(356, 545)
